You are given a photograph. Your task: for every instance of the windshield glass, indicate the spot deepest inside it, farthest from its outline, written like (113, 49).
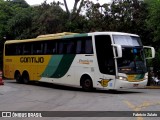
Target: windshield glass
(132, 60)
(127, 40)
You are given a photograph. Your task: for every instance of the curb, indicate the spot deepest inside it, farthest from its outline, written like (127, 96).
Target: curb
(152, 87)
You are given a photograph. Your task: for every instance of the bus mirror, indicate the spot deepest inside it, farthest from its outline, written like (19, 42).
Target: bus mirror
(118, 50)
(149, 52)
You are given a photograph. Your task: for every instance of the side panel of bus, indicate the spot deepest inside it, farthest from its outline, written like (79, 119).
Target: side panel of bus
(74, 65)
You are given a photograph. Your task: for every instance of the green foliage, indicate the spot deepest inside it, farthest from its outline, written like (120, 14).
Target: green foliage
(48, 18)
(153, 24)
(153, 20)
(19, 3)
(156, 60)
(24, 21)
(19, 25)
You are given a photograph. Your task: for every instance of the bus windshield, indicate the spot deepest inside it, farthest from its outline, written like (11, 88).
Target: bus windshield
(133, 60)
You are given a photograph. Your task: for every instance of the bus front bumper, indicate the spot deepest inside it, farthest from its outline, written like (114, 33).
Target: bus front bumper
(121, 84)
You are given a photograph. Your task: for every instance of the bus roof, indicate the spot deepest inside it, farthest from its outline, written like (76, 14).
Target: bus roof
(66, 35)
(113, 33)
(43, 37)
(56, 35)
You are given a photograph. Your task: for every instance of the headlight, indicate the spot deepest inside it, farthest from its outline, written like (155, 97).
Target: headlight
(122, 78)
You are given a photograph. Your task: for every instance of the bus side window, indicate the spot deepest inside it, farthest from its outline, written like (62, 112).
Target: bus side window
(26, 49)
(50, 47)
(70, 47)
(13, 49)
(60, 48)
(88, 47)
(18, 49)
(79, 47)
(66, 47)
(38, 48)
(84, 46)
(8, 49)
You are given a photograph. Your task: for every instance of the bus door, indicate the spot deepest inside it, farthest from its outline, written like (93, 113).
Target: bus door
(106, 63)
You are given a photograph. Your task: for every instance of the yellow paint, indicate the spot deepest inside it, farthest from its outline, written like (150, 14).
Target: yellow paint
(12, 63)
(131, 78)
(86, 62)
(140, 107)
(56, 35)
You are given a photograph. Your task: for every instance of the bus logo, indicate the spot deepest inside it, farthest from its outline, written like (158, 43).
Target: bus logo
(31, 59)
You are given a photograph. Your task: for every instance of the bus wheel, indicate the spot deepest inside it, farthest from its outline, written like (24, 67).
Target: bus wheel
(18, 77)
(87, 84)
(25, 78)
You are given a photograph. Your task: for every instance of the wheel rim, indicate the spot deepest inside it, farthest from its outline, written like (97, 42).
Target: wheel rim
(26, 80)
(87, 83)
(18, 77)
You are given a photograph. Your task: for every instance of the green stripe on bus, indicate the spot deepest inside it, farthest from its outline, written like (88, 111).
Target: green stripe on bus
(139, 76)
(75, 35)
(64, 66)
(81, 35)
(52, 66)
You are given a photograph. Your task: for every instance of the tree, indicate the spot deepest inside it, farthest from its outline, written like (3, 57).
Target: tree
(74, 14)
(121, 15)
(94, 16)
(20, 19)
(153, 24)
(47, 19)
(75, 11)
(5, 14)
(20, 3)
(19, 25)
(153, 20)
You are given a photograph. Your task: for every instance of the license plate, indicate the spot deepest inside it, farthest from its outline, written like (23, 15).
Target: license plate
(135, 85)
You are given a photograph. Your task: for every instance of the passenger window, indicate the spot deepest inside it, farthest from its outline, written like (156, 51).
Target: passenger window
(84, 45)
(38, 48)
(26, 49)
(79, 47)
(60, 48)
(88, 46)
(66, 47)
(70, 47)
(19, 49)
(51, 47)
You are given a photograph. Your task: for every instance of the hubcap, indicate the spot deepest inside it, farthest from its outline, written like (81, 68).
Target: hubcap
(87, 83)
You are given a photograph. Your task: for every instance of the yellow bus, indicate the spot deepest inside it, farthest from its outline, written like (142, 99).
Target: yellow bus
(104, 60)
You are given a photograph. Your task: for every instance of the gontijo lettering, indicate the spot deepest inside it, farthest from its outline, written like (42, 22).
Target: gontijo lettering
(31, 59)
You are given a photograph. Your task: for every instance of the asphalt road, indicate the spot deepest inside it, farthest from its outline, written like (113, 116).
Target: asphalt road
(49, 97)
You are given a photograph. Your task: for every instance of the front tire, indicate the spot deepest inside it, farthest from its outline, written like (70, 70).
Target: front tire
(87, 84)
